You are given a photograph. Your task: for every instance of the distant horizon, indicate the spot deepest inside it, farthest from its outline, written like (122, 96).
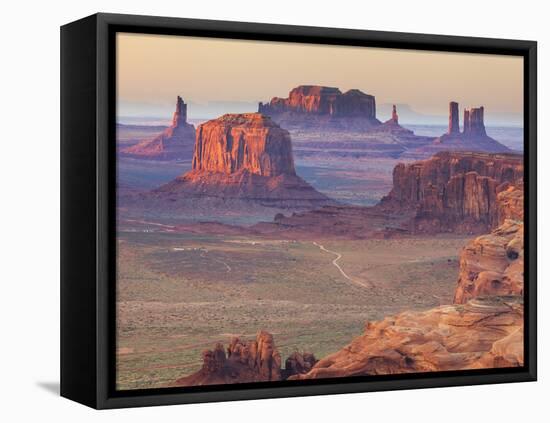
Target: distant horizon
(206, 72)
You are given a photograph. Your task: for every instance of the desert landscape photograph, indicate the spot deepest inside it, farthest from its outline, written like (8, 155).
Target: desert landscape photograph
(290, 211)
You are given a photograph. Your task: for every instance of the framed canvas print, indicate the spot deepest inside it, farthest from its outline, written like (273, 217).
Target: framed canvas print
(256, 211)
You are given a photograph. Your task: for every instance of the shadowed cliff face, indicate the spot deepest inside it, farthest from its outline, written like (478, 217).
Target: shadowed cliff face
(176, 142)
(453, 190)
(250, 142)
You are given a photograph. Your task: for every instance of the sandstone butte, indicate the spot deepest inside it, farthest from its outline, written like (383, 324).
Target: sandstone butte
(451, 192)
(473, 137)
(175, 142)
(244, 157)
(247, 361)
(317, 106)
(454, 191)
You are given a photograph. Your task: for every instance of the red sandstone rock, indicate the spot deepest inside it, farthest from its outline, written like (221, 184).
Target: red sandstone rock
(298, 363)
(250, 142)
(316, 106)
(453, 191)
(485, 333)
(176, 142)
(252, 361)
(493, 264)
(245, 157)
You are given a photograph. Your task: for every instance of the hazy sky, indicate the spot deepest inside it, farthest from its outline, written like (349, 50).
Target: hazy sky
(153, 69)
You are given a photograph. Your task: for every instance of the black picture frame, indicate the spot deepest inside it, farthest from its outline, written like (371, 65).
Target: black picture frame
(88, 197)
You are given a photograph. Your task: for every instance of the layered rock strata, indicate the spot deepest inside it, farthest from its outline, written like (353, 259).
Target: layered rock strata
(244, 157)
(313, 105)
(493, 264)
(484, 333)
(175, 142)
(454, 191)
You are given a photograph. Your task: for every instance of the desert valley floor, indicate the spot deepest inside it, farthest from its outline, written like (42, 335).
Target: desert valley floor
(179, 294)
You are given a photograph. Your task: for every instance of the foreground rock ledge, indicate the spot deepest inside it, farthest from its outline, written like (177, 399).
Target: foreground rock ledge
(484, 333)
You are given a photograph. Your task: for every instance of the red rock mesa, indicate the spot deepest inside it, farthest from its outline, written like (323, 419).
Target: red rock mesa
(176, 142)
(245, 157)
(454, 191)
(313, 105)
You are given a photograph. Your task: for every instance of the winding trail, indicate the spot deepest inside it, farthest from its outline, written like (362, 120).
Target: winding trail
(344, 274)
(227, 267)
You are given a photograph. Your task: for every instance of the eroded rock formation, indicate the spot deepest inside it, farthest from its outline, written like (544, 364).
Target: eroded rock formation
(313, 105)
(472, 138)
(248, 142)
(484, 333)
(247, 361)
(454, 125)
(175, 142)
(493, 264)
(245, 157)
(454, 190)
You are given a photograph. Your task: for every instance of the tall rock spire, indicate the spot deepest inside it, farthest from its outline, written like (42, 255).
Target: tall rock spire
(180, 115)
(474, 122)
(394, 116)
(454, 125)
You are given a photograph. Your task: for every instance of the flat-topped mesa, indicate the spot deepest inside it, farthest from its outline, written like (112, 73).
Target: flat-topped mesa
(454, 124)
(175, 142)
(243, 142)
(314, 105)
(241, 160)
(454, 190)
(473, 122)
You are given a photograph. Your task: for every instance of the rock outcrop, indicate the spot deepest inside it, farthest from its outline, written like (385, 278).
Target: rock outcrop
(247, 361)
(318, 106)
(484, 333)
(239, 143)
(175, 143)
(493, 264)
(454, 125)
(454, 191)
(245, 157)
(472, 138)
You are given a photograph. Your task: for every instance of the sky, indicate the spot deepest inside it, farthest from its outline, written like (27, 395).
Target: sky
(222, 76)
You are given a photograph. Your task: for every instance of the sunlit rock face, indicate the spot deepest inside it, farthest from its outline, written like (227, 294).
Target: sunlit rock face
(314, 106)
(493, 264)
(243, 142)
(245, 157)
(454, 191)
